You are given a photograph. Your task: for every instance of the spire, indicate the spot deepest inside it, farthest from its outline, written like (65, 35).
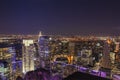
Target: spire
(40, 34)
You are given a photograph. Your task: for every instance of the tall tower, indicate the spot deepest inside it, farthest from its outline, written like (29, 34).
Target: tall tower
(40, 34)
(105, 61)
(72, 51)
(117, 46)
(28, 55)
(43, 42)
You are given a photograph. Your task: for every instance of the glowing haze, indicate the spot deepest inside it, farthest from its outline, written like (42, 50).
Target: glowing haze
(60, 17)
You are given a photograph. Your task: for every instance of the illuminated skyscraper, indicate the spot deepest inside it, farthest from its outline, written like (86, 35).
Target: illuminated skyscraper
(105, 61)
(28, 55)
(10, 58)
(43, 42)
(117, 46)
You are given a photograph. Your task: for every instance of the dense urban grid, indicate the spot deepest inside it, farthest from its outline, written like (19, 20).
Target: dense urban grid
(62, 56)
(59, 39)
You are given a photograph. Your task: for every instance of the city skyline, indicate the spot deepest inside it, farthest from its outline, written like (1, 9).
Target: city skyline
(60, 17)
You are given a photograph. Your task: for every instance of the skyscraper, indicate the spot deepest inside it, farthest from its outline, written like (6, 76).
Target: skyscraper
(28, 55)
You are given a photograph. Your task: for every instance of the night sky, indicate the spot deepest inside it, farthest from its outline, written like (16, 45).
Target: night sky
(84, 17)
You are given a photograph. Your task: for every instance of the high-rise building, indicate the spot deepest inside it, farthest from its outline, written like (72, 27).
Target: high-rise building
(105, 61)
(9, 59)
(28, 55)
(43, 44)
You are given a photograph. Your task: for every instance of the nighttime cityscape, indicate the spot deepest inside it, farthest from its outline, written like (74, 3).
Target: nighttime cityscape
(59, 40)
